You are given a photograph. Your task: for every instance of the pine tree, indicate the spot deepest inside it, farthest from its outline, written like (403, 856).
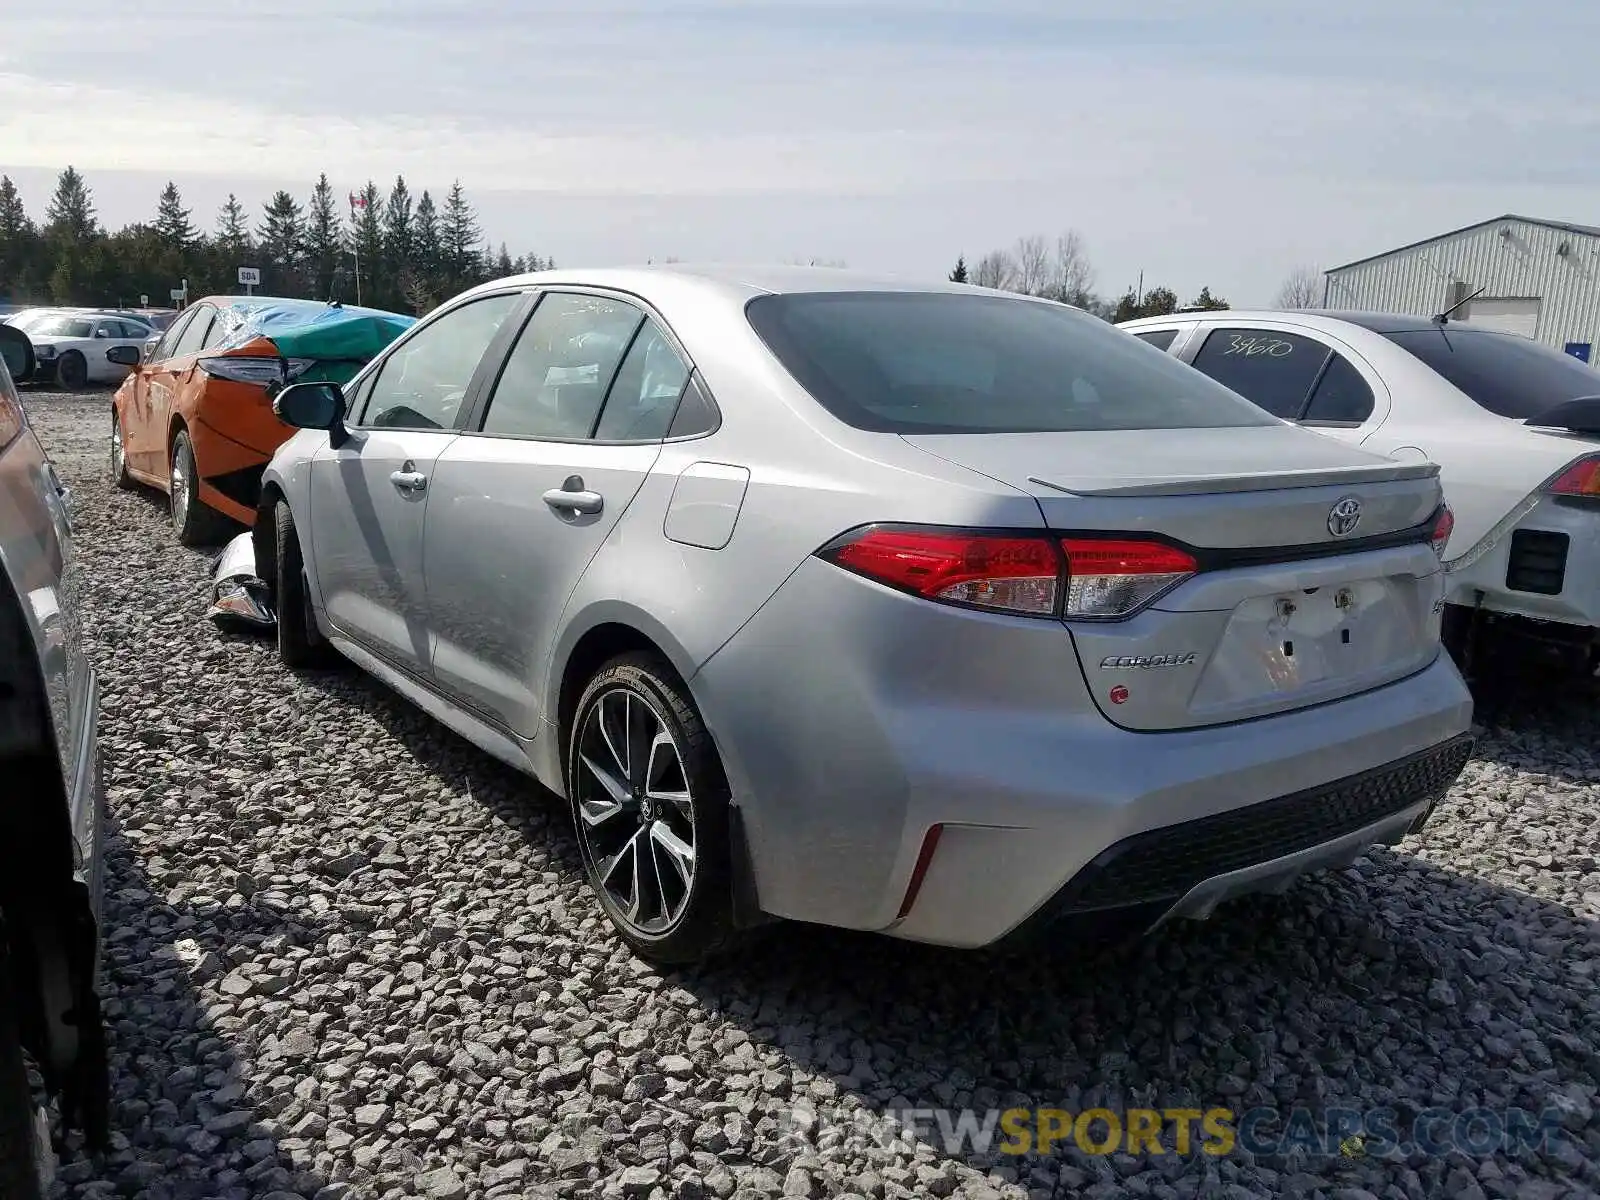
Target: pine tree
(504, 265)
(233, 230)
(959, 275)
(19, 243)
(173, 225)
(282, 242)
(366, 235)
(459, 235)
(71, 211)
(399, 238)
(72, 240)
(323, 247)
(1205, 300)
(423, 287)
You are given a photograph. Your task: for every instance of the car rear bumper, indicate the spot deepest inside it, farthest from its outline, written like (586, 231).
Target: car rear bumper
(852, 720)
(1546, 568)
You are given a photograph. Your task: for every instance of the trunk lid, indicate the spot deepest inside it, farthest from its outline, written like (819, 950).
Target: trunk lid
(1283, 611)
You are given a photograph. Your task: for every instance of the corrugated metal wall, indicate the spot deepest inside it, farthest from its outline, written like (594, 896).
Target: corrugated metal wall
(1525, 263)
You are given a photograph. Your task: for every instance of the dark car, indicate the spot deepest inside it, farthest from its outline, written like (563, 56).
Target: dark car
(51, 817)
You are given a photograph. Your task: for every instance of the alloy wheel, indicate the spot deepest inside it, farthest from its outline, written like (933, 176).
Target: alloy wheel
(118, 453)
(180, 484)
(635, 810)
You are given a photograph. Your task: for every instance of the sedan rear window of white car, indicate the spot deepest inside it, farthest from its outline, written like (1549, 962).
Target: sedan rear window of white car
(934, 362)
(1502, 372)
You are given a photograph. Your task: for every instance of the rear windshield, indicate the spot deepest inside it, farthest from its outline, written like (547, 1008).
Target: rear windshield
(1506, 374)
(930, 362)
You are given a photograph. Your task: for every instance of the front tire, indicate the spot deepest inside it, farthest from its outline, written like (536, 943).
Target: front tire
(193, 522)
(25, 1154)
(301, 645)
(72, 372)
(119, 455)
(650, 804)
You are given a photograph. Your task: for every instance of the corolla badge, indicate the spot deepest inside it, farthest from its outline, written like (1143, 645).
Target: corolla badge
(1146, 662)
(1344, 516)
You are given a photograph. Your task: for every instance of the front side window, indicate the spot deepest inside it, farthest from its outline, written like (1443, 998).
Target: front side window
(1274, 370)
(422, 383)
(194, 333)
(169, 340)
(557, 374)
(1508, 375)
(923, 362)
(64, 327)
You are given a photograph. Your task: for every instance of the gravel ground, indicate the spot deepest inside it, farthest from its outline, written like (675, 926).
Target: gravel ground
(349, 955)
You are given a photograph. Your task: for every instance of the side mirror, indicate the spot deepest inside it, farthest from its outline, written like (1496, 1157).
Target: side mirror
(125, 356)
(313, 406)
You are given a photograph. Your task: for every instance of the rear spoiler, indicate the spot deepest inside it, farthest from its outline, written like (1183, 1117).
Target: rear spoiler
(1266, 481)
(1578, 415)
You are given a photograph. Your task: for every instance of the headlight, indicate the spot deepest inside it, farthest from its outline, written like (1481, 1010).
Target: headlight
(44, 353)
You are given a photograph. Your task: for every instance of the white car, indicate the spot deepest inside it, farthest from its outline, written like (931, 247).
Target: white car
(71, 346)
(1514, 426)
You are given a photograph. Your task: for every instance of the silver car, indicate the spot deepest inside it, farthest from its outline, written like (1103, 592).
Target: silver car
(51, 810)
(928, 610)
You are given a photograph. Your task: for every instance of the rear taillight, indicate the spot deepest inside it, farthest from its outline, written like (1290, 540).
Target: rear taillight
(1036, 576)
(1008, 574)
(251, 369)
(1442, 529)
(1582, 478)
(1116, 578)
(11, 419)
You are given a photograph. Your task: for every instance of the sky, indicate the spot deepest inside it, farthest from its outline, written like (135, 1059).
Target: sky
(1216, 144)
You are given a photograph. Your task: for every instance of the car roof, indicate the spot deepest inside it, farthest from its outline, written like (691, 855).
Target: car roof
(739, 282)
(1376, 322)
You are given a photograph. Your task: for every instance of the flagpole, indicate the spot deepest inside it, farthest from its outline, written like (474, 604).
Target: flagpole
(355, 243)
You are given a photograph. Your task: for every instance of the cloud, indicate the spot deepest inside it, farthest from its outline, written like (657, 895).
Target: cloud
(1214, 143)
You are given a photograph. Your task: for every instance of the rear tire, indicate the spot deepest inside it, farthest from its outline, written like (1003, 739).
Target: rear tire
(301, 645)
(72, 372)
(25, 1154)
(193, 522)
(674, 797)
(119, 455)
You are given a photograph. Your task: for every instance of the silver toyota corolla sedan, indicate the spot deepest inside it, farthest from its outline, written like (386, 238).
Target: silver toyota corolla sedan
(914, 608)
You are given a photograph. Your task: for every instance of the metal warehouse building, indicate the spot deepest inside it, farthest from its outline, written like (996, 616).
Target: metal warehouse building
(1541, 279)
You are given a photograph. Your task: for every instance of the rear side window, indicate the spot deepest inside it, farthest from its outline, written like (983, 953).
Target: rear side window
(644, 396)
(1274, 370)
(1341, 396)
(1506, 374)
(931, 362)
(1161, 339)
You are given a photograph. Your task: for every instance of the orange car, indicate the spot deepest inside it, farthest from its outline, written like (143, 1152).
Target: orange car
(195, 417)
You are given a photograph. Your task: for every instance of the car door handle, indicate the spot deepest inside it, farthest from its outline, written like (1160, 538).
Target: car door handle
(575, 500)
(409, 481)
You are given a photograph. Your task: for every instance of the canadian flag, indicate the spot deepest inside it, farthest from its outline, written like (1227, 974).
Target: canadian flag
(357, 201)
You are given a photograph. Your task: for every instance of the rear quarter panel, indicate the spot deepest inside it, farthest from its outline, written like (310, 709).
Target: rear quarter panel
(45, 581)
(811, 478)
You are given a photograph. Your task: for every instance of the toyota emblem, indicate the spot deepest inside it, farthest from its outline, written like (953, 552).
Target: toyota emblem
(1344, 516)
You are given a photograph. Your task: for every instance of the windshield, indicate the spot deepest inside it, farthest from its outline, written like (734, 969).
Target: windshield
(64, 327)
(1506, 374)
(27, 320)
(933, 362)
